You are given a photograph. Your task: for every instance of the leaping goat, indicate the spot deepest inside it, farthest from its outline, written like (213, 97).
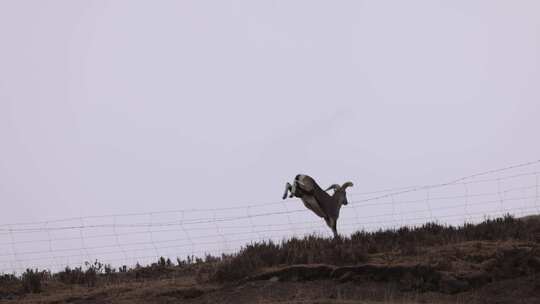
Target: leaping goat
(318, 200)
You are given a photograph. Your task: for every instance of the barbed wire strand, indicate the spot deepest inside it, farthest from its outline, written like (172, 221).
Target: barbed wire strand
(14, 250)
(373, 222)
(117, 239)
(252, 224)
(406, 190)
(377, 219)
(537, 199)
(191, 243)
(211, 220)
(371, 216)
(429, 204)
(83, 245)
(220, 233)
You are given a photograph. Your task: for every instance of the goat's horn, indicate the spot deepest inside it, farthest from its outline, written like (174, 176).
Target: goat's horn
(334, 186)
(300, 183)
(347, 184)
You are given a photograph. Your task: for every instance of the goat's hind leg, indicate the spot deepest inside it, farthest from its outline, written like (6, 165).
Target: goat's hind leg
(333, 225)
(334, 230)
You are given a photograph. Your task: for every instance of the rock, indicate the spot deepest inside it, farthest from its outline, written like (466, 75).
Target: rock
(346, 277)
(477, 278)
(274, 279)
(188, 293)
(489, 264)
(534, 263)
(407, 282)
(452, 285)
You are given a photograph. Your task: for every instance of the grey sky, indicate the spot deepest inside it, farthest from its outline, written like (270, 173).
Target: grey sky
(126, 106)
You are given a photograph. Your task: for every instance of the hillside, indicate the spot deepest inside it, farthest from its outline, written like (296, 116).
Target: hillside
(496, 261)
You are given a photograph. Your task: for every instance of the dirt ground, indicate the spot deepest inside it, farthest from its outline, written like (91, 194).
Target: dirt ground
(468, 272)
(521, 290)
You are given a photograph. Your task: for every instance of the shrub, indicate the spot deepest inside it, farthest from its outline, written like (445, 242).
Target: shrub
(79, 276)
(31, 281)
(9, 285)
(71, 276)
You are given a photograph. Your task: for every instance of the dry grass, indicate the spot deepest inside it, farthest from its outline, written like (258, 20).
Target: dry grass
(501, 252)
(356, 248)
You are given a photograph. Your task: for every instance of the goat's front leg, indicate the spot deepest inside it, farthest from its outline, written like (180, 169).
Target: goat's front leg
(288, 188)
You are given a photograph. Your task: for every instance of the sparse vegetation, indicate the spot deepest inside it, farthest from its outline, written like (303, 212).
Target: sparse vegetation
(470, 255)
(31, 280)
(355, 249)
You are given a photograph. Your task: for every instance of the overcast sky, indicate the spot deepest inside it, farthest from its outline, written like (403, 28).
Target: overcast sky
(127, 106)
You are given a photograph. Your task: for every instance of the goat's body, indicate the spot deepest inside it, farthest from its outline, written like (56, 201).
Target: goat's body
(309, 192)
(316, 199)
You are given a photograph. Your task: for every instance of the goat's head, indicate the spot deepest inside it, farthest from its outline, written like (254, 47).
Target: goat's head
(339, 192)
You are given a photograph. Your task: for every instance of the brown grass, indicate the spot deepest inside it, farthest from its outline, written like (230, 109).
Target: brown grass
(356, 248)
(381, 266)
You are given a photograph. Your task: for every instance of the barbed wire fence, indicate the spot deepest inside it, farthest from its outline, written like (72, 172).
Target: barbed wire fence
(130, 238)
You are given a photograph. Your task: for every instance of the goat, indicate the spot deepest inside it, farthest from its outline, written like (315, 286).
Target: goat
(318, 200)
